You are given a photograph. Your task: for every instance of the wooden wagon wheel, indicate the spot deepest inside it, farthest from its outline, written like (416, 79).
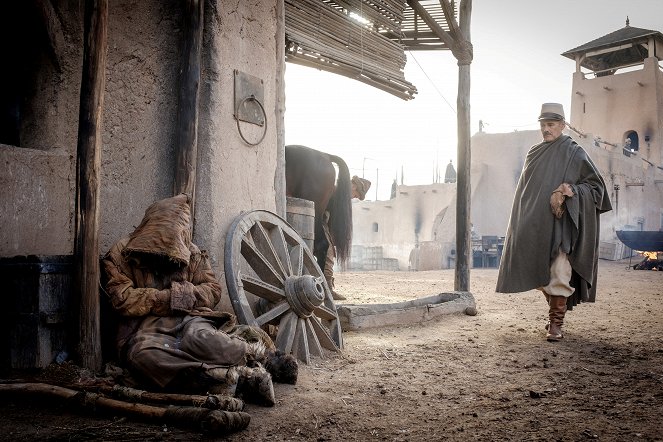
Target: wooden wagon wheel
(273, 278)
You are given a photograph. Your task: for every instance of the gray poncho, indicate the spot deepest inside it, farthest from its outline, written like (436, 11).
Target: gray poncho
(534, 235)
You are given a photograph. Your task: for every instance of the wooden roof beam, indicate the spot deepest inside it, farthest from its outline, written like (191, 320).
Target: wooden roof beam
(454, 29)
(460, 47)
(432, 24)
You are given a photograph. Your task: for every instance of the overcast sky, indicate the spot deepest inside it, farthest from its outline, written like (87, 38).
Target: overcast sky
(517, 66)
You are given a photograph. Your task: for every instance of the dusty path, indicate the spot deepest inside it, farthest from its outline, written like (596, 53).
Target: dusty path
(487, 377)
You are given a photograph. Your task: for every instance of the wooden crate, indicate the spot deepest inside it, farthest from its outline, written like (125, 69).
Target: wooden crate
(37, 296)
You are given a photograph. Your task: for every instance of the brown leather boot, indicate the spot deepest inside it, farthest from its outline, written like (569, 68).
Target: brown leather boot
(547, 302)
(556, 314)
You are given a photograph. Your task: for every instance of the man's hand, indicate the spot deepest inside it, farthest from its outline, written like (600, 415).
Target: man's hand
(182, 297)
(558, 197)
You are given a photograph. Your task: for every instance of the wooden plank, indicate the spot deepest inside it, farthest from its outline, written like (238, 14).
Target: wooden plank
(355, 317)
(88, 164)
(187, 111)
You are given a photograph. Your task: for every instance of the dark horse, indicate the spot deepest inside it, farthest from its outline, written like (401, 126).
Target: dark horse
(310, 175)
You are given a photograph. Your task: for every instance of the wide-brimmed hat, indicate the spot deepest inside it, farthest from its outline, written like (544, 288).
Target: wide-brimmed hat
(551, 111)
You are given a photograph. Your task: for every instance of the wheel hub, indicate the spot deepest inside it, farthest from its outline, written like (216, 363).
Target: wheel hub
(304, 293)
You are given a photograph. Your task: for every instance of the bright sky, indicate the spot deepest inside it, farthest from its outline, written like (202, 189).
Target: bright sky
(517, 66)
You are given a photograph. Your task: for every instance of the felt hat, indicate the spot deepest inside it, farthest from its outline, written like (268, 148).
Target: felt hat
(551, 111)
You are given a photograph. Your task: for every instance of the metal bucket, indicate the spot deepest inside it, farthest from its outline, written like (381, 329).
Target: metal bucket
(300, 214)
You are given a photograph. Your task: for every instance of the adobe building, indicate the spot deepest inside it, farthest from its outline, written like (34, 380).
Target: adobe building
(616, 115)
(187, 96)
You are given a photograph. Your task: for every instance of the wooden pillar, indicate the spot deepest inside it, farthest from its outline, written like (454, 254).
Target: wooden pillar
(187, 111)
(463, 189)
(88, 163)
(279, 175)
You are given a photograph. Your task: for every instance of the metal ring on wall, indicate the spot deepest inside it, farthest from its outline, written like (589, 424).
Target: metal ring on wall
(239, 129)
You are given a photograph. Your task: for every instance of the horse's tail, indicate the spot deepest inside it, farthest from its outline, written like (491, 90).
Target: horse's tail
(340, 211)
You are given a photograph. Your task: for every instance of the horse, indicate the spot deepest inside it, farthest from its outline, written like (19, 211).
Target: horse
(310, 175)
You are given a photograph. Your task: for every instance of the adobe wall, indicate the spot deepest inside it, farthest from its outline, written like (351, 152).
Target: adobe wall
(35, 201)
(38, 179)
(234, 177)
(405, 220)
(140, 112)
(497, 160)
(139, 120)
(612, 105)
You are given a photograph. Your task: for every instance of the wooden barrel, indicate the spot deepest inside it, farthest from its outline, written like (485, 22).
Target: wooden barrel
(300, 214)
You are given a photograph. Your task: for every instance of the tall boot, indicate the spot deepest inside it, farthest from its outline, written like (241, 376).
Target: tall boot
(556, 313)
(547, 302)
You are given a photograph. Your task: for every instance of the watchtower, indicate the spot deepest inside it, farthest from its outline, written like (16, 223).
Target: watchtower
(618, 90)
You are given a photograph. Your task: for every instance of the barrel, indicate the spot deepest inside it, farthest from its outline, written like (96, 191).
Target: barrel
(300, 214)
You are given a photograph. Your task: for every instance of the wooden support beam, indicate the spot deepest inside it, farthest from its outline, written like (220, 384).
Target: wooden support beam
(88, 163)
(189, 93)
(279, 175)
(454, 29)
(463, 188)
(432, 24)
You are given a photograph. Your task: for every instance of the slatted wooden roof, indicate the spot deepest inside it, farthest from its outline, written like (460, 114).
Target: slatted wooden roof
(364, 39)
(624, 47)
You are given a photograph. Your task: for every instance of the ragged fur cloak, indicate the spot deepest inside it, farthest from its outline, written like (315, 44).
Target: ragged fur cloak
(163, 291)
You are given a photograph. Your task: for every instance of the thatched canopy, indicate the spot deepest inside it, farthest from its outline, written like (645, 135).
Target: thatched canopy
(365, 39)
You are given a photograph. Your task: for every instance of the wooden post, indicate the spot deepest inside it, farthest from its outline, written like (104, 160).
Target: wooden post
(463, 188)
(187, 111)
(279, 175)
(88, 163)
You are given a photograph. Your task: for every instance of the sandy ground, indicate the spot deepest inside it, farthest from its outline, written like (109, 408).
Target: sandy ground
(487, 377)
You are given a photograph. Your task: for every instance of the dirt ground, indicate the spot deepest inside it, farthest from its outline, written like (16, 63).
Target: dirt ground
(487, 377)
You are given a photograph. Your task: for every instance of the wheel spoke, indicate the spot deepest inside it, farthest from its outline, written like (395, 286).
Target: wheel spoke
(312, 338)
(323, 335)
(263, 242)
(241, 304)
(273, 313)
(286, 334)
(300, 347)
(281, 249)
(322, 311)
(297, 259)
(262, 289)
(260, 264)
(310, 265)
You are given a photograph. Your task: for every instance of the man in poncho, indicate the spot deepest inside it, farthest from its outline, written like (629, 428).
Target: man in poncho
(163, 292)
(553, 235)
